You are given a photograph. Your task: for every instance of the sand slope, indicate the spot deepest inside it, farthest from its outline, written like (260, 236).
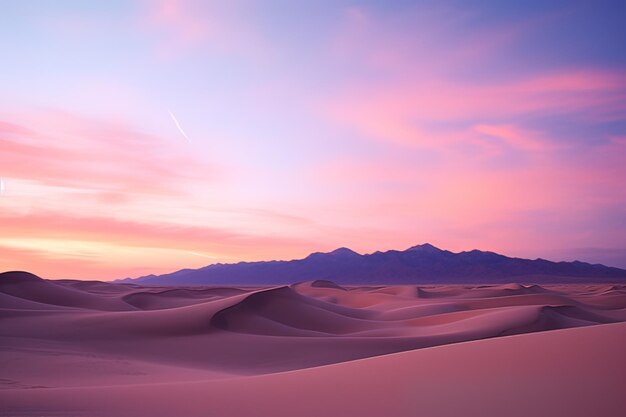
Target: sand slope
(574, 372)
(93, 348)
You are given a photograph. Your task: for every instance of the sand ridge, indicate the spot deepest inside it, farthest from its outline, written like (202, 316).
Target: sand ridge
(63, 335)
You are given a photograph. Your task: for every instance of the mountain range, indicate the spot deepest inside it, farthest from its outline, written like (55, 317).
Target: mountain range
(420, 264)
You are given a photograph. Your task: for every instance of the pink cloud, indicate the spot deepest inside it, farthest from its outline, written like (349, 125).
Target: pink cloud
(423, 39)
(69, 150)
(399, 113)
(410, 72)
(514, 136)
(619, 140)
(100, 180)
(161, 234)
(115, 233)
(183, 26)
(461, 201)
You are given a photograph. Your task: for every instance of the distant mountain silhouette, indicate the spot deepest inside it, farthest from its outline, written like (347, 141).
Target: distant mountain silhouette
(421, 264)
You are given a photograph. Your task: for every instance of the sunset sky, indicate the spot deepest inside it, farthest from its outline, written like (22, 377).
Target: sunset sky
(145, 137)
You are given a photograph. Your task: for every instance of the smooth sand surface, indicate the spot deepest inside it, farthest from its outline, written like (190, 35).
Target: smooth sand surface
(71, 348)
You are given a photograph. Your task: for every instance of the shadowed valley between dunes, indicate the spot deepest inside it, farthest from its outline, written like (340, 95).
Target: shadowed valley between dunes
(59, 336)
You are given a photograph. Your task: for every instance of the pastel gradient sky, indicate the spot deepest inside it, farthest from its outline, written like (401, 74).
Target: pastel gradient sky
(311, 125)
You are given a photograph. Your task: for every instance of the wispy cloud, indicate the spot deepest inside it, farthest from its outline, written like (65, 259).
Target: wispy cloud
(66, 149)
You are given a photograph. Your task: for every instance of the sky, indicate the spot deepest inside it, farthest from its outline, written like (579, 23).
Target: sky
(141, 137)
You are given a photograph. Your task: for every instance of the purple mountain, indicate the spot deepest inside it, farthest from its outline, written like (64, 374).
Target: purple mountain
(421, 264)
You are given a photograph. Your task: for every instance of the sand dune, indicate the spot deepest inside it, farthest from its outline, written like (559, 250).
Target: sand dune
(32, 288)
(59, 336)
(573, 372)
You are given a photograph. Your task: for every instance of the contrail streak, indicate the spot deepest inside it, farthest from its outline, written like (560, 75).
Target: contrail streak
(180, 129)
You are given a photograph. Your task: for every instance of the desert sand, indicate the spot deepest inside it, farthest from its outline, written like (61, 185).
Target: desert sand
(76, 348)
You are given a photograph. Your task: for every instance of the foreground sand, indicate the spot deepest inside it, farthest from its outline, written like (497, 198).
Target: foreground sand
(95, 349)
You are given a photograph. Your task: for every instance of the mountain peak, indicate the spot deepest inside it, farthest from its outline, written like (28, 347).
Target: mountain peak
(425, 247)
(339, 252)
(419, 264)
(343, 251)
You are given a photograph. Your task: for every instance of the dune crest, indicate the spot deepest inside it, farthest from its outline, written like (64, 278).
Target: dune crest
(66, 334)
